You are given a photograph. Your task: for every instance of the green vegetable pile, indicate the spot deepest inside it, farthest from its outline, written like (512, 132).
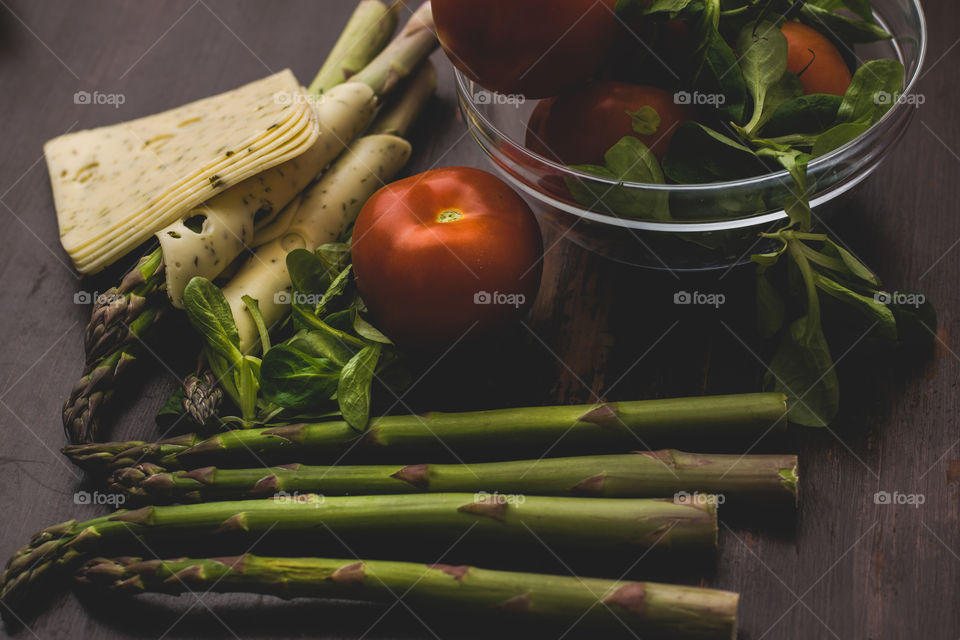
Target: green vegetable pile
(761, 122)
(325, 368)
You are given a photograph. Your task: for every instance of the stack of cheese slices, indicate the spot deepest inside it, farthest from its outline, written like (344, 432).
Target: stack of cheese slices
(116, 186)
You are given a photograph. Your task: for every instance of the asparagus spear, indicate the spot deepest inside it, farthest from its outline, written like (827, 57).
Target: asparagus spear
(627, 525)
(491, 435)
(647, 609)
(366, 34)
(634, 475)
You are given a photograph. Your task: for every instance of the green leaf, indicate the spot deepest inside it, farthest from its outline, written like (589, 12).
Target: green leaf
(836, 137)
(293, 379)
(850, 30)
(854, 267)
(335, 291)
(645, 121)
(172, 410)
(308, 272)
(719, 74)
(794, 161)
(868, 307)
(771, 308)
(335, 254)
(209, 313)
(253, 308)
(763, 50)
(366, 330)
(861, 8)
(875, 88)
(353, 390)
(802, 369)
(629, 160)
(786, 89)
(326, 342)
(806, 114)
(247, 377)
(698, 154)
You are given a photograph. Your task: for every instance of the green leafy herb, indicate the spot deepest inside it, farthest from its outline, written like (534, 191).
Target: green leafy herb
(353, 390)
(859, 7)
(875, 88)
(294, 379)
(209, 313)
(763, 50)
(698, 154)
(805, 114)
(718, 73)
(850, 30)
(645, 121)
(629, 160)
(253, 308)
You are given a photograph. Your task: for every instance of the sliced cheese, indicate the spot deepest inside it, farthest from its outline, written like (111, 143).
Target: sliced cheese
(120, 240)
(230, 218)
(131, 179)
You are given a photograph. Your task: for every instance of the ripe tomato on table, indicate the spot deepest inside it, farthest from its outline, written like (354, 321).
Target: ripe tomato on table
(536, 48)
(445, 254)
(581, 125)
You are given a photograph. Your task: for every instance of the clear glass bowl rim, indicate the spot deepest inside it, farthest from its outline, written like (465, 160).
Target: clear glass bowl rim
(703, 188)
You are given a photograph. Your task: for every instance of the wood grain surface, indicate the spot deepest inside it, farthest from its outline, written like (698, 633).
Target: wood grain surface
(842, 567)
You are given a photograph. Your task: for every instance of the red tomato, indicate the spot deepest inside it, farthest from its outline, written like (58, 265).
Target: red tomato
(813, 57)
(578, 127)
(536, 48)
(444, 253)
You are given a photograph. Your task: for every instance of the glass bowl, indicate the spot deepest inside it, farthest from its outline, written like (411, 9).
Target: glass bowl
(712, 225)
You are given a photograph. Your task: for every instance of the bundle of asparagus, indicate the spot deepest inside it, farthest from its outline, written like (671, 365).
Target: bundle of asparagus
(645, 609)
(497, 434)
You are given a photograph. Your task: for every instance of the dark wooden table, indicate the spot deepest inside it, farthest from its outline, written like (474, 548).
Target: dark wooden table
(842, 567)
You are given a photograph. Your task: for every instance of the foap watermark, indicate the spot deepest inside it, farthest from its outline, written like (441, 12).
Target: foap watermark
(510, 299)
(298, 297)
(313, 499)
(699, 298)
(97, 497)
(684, 497)
(499, 498)
(896, 498)
(900, 298)
(284, 98)
(482, 96)
(95, 97)
(882, 98)
(696, 98)
(88, 297)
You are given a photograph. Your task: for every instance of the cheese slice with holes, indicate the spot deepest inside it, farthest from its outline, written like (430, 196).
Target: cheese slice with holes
(115, 186)
(119, 243)
(208, 238)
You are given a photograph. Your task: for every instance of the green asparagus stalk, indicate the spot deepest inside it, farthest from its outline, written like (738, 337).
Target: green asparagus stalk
(119, 307)
(635, 475)
(121, 321)
(403, 55)
(647, 609)
(627, 525)
(366, 34)
(490, 435)
(201, 396)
